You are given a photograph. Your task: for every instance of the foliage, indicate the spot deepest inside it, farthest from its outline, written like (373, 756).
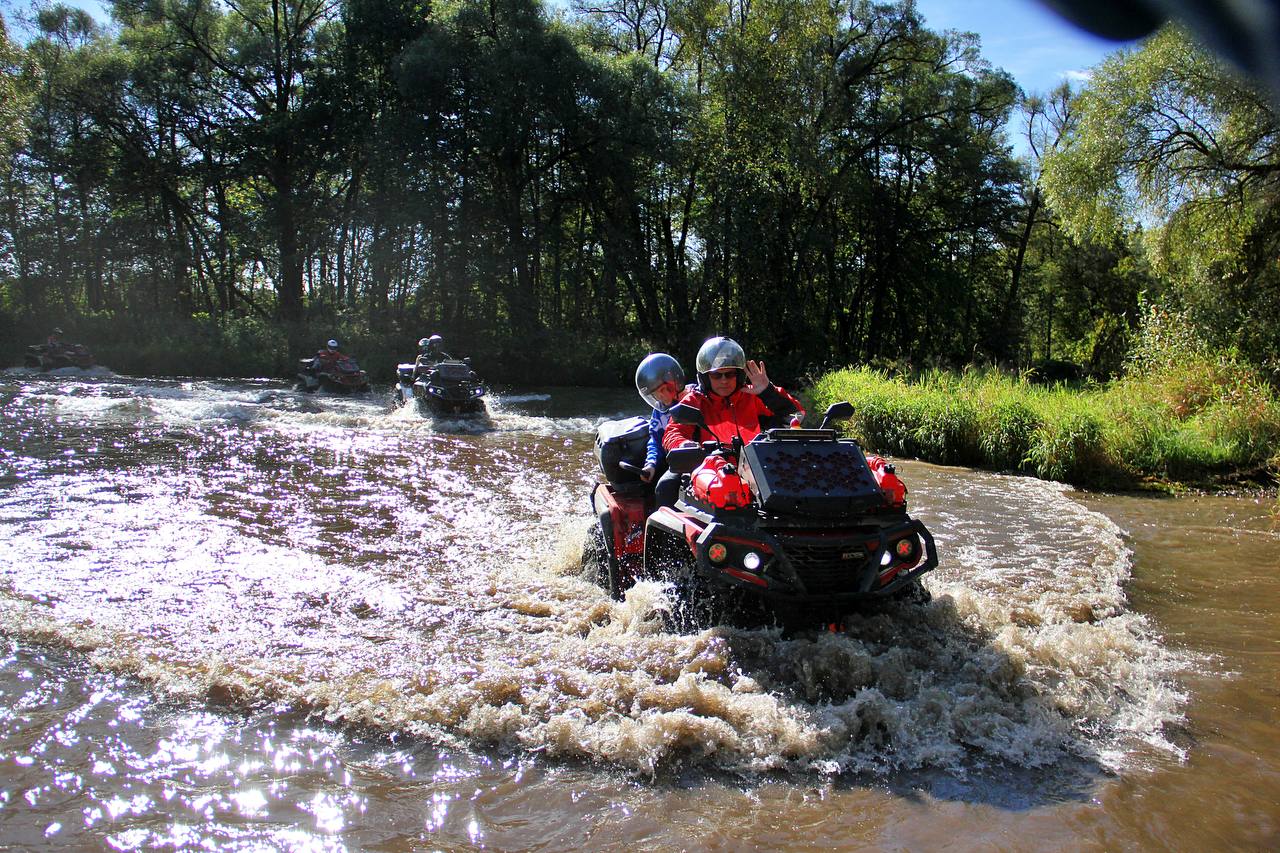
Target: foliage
(1171, 147)
(647, 173)
(828, 182)
(1118, 435)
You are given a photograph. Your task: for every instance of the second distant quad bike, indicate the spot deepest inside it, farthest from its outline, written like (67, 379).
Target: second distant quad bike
(338, 376)
(55, 356)
(798, 526)
(446, 387)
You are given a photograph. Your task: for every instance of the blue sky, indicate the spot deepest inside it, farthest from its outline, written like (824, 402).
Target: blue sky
(1033, 44)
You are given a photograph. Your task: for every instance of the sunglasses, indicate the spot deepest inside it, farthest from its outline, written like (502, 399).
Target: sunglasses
(728, 373)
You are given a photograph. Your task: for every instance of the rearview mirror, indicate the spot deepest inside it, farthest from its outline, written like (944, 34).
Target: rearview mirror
(837, 412)
(684, 460)
(683, 413)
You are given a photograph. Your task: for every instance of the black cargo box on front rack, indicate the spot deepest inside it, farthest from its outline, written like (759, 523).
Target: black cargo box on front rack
(811, 476)
(621, 441)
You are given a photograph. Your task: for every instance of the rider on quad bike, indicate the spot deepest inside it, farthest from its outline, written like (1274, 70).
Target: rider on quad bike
(735, 397)
(794, 525)
(660, 382)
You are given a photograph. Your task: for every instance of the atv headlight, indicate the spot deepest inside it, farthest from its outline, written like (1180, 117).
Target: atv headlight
(751, 561)
(439, 392)
(886, 558)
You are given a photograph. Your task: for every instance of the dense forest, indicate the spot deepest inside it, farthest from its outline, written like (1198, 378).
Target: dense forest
(209, 186)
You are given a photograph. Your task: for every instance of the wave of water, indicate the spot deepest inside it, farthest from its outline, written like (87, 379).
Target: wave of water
(426, 583)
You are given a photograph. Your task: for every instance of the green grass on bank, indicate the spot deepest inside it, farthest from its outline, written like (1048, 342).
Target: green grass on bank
(1193, 422)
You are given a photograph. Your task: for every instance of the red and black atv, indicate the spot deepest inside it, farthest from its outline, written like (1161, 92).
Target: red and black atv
(55, 356)
(798, 526)
(338, 376)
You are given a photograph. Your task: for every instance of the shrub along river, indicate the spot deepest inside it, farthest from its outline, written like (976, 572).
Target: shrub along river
(236, 616)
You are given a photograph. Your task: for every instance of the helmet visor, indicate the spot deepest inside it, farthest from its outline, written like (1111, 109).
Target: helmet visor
(670, 389)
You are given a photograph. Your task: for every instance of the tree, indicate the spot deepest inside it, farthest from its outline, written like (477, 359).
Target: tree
(263, 59)
(1171, 142)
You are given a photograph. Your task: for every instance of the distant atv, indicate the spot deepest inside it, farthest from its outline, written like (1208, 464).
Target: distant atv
(338, 376)
(798, 526)
(447, 387)
(56, 356)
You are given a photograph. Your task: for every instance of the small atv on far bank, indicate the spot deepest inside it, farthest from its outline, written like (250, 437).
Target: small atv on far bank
(55, 356)
(336, 376)
(798, 526)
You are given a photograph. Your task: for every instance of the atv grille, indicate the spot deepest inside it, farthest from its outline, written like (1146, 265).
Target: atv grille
(820, 473)
(813, 478)
(825, 565)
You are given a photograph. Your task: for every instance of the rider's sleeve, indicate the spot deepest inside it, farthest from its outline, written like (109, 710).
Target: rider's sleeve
(655, 452)
(676, 434)
(779, 402)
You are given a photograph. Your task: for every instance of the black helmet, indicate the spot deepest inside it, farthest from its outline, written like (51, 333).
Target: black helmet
(656, 370)
(717, 354)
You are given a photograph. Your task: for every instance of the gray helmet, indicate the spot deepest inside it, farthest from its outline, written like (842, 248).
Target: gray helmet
(422, 343)
(332, 344)
(436, 340)
(656, 370)
(717, 354)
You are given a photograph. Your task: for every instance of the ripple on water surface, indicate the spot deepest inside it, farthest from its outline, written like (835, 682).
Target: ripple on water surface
(327, 555)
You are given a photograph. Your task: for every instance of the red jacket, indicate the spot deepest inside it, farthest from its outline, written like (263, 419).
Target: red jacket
(738, 414)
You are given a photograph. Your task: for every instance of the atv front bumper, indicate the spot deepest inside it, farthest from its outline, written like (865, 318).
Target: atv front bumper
(830, 569)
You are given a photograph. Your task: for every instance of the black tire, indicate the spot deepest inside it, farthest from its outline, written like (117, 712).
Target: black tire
(593, 555)
(696, 603)
(599, 565)
(913, 593)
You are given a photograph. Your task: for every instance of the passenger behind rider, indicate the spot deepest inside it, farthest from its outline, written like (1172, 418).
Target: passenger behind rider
(735, 397)
(430, 351)
(660, 381)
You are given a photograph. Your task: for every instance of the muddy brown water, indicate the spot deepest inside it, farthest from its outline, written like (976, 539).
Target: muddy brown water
(237, 617)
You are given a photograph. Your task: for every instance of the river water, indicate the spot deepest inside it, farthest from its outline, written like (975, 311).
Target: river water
(233, 616)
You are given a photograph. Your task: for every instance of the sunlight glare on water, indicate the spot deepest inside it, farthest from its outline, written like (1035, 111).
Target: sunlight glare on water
(333, 555)
(240, 617)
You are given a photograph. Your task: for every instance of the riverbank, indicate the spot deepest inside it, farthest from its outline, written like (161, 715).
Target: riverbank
(1190, 428)
(253, 347)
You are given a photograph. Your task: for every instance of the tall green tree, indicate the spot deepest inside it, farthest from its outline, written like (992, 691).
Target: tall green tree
(1171, 143)
(264, 60)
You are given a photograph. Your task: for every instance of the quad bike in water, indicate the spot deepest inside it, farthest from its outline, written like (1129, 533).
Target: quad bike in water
(58, 355)
(798, 526)
(339, 376)
(446, 387)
